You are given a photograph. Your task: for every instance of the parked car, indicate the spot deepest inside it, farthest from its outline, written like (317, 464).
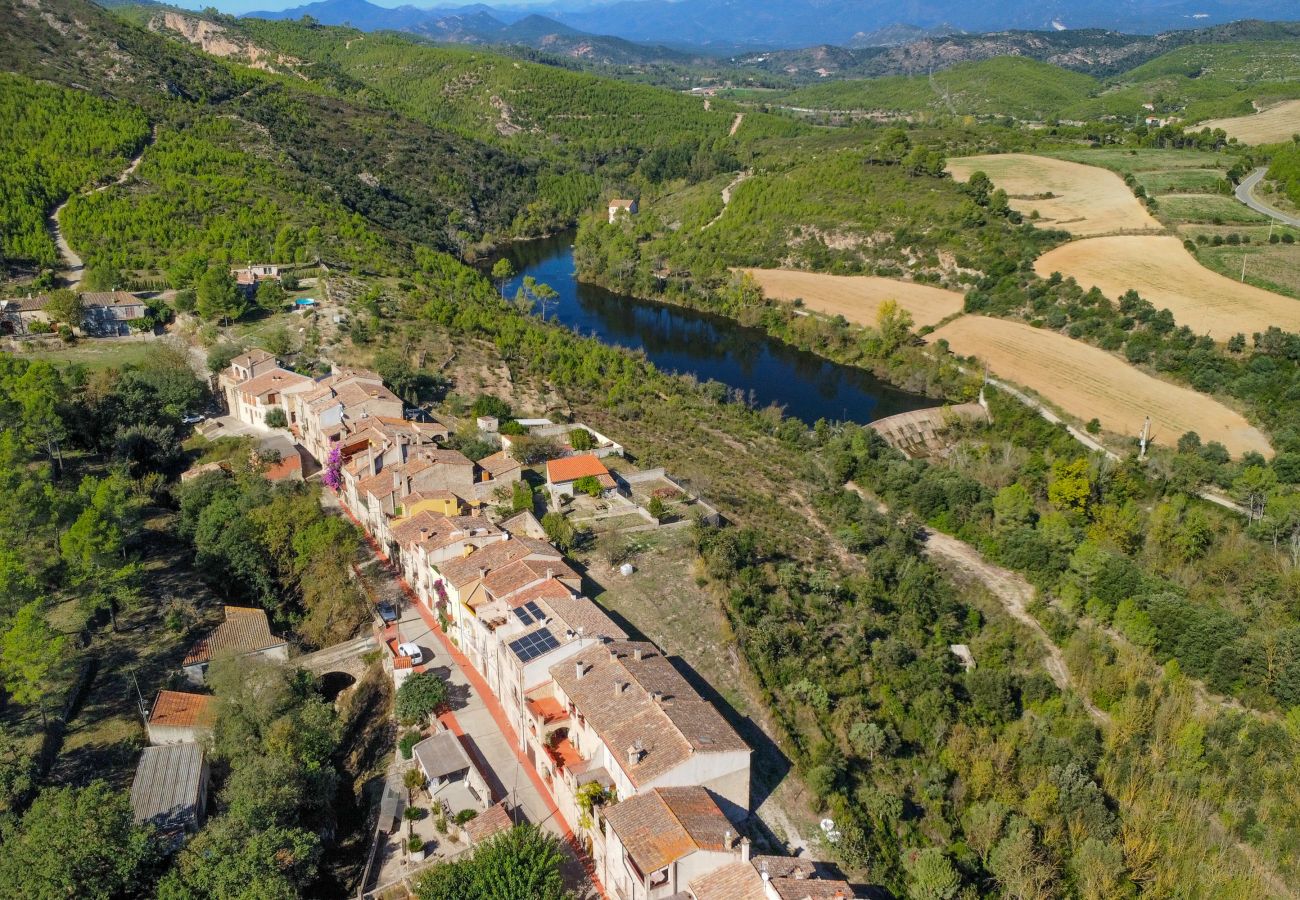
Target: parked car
(413, 651)
(387, 612)
(193, 418)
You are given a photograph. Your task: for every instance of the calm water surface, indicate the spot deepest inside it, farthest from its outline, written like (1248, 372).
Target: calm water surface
(707, 346)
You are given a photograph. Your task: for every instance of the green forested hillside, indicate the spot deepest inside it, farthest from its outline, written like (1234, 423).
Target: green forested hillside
(56, 141)
(1006, 86)
(1201, 82)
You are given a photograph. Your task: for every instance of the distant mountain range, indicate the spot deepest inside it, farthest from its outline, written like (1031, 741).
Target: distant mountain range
(725, 26)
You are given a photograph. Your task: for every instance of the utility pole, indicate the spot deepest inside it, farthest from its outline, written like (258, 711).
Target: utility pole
(1144, 438)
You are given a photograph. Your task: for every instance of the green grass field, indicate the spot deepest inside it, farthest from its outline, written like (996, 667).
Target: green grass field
(1182, 181)
(1208, 208)
(94, 353)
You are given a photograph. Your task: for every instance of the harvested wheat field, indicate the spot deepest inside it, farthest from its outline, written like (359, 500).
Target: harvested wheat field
(1087, 382)
(1163, 272)
(857, 297)
(1086, 200)
(1269, 126)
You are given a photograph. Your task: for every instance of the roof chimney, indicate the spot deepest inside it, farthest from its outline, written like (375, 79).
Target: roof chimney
(635, 752)
(620, 687)
(579, 669)
(637, 653)
(744, 849)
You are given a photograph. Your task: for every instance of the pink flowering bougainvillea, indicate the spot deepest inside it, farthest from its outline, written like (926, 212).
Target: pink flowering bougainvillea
(333, 477)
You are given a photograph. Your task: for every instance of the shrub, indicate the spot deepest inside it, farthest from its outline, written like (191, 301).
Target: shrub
(408, 742)
(656, 508)
(580, 439)
(465, 815)
(1093, 426)
(277, 419)
(588, 485)
(420, 695)
(415, 844)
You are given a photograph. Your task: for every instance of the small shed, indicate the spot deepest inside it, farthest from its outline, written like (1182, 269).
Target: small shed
(180, 718)
(453, 777)
(170, 791)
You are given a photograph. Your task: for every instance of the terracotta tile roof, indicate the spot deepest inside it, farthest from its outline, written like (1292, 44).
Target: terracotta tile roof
(499, 464)
(274, 380)
(245, 630)
(32, 304)
(251, 358)
(784, 866)
(735, 881)
(663, 825)
(110, 298)
(494, 556)
(812, 889)
(518, 575)
(440, 456)
(618, 203)
(668, 730)
(433, 530)
(571, 468)
(581, 614)
(486, 824)
(177, 709)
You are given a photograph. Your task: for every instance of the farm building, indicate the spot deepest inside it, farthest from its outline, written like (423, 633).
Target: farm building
(170, 791)
(246, 632)
(180, 718)
(563, 473)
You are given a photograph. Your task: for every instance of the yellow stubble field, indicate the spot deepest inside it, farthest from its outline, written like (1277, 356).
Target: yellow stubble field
(857, 297)
(1085, 201)
(1268, 126)
(1161, 270)
(1088, 382)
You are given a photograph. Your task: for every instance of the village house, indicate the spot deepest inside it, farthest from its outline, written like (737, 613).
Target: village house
(254, 384)
(520, 634)
(109, 313)
(374, 498)
(658, 841)
(170, 790)
(18, 316)
(563, 473)
(453, 779)
(348, 395)
(771, 878)
(180, 718)
(246, 632)
(249, 276)
(418, 543)
(619, 207)
(622, 715)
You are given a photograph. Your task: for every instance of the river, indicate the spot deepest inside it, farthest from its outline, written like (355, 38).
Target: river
(709, 347)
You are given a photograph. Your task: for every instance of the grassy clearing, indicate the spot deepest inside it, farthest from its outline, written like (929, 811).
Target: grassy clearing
(857, 298)
(1273, 267)
(1162, 271)
(94, 353)
(1208, 208)
(1077, 198)
(1183, 181)
(1088, 382)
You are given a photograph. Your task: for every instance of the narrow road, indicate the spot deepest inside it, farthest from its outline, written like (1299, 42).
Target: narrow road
(73, 267)
(1246, 194)
(735, 126)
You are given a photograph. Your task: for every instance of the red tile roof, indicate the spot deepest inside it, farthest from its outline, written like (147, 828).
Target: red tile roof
(274, 380)
(663, 825)
(246, 630)
(289, 467)
(571, 468)
(177, 709)
(487, 824)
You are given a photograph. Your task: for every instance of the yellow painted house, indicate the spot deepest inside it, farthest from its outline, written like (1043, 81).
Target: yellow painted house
(442, 503)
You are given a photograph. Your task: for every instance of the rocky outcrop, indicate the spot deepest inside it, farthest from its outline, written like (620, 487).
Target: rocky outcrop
(216, 39)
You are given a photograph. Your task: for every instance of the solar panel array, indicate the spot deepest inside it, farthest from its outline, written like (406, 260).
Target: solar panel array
(534, 644)
(529, 613)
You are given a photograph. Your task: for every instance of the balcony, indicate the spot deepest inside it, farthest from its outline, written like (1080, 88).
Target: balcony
(546, 712)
